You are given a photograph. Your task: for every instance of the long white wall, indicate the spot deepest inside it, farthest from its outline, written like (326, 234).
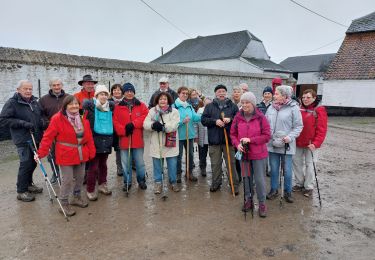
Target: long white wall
(349, 93)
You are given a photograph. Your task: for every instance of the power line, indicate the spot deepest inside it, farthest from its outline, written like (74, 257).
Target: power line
(322, 46)
(328, 19)
(175, 26)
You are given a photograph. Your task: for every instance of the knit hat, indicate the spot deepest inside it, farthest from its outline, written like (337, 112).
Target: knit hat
(220, 87)
(267, 89)
(101, 88)
(249, 96)
(128, 87)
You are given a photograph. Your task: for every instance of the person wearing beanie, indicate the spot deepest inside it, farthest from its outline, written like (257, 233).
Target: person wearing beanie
(217, 116)
(99, 113)
(163, 87)
(128, 119)
(267, 98)
(250, 133)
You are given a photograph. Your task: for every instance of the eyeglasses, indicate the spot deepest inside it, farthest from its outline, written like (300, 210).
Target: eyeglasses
(307, 97)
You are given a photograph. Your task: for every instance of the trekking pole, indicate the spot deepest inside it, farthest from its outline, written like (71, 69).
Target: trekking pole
(244, 188)
(316, 178)
(228, 157)
(251, 187)
(286, 146)
(47, 181)
(55, 170)
(164, 195)
(129, 171)
(187, 152)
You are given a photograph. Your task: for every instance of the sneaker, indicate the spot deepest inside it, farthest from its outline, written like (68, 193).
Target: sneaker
(78, 201)
(288, 197)
(142, 185)
(92, 196)
(35, 189)
(126, 187)
(248, 205)
(215, 188)
(53, 179)
(67, 209)
(272, 194)
(297, 188)
(203, 172)
(25, 196)
(178, 177)
(262, 210)
(307, 193)
(157, 188)
(236, 192)
(174, 187)
(119, 172)
(103, 188)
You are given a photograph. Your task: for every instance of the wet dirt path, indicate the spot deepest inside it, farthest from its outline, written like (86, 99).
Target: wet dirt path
(197, 224)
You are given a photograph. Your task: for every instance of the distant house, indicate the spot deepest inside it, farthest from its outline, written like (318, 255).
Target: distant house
(237, 51)
(350, 79)
(308, 71)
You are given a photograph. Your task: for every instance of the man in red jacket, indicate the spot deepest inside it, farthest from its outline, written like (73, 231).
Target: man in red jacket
(88, 89)
(311, 138)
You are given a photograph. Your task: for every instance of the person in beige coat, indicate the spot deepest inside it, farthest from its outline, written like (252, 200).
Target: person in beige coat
(163, 121)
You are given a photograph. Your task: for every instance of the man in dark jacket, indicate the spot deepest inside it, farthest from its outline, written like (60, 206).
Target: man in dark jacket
(51, 103)
(164, 87)
(217, 116)
(267, 98)
(22, 113)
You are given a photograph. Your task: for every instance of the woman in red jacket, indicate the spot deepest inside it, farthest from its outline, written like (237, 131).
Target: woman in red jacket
(74, 147)
(250, 132)
(311, 138)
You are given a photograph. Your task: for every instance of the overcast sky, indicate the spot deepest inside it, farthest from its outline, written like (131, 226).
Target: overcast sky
(129, 30)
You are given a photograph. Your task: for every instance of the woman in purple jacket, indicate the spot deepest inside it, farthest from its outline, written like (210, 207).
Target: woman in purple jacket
(250, 132)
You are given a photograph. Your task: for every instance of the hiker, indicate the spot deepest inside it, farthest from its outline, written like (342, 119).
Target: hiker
(286, 125)
(23, 115)
(51, 103)
(203, 140)
(250, 128)
(87, 91)
(194, 100)
(314, 117)
(128, 119)
(186, 132)
(217, 117)
(163, 120)
(99, 113)
(266, 101)
(117, 94)
(275, 83)
(236, 96)
(164, 87)
(244, 87)
(74, 147)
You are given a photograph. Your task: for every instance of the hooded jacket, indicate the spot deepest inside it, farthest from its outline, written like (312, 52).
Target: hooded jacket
(194, 118)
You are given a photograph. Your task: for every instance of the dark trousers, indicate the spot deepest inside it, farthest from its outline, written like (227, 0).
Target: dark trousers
(182, 144)
(97, 171)
(26, 168)
(51, 157)
(203, 151)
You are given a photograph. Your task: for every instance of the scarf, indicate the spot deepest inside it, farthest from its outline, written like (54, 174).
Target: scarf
(104, 107)
(248, 115)
(221, 103)
(116, 100)
(278, 105)
(161, 111)
(182, 103)
(75, 120)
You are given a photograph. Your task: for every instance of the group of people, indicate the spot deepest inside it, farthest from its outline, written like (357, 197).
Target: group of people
(77, 133)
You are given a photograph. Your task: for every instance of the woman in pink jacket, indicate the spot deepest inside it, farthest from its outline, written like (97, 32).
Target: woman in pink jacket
(250, 132)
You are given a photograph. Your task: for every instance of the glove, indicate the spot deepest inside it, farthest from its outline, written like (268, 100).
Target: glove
(129, 128)
(28, 126)
(157, 126)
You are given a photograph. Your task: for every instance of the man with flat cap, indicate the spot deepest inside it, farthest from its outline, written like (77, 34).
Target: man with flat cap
(164, 87)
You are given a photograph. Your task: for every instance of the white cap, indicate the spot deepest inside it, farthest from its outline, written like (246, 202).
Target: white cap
(163, 79)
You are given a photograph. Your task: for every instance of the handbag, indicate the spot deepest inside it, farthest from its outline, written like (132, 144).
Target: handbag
(170, 138)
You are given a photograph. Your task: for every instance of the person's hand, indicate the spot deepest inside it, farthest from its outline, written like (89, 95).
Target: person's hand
(36, 157)
(240, 148)
(157, 126)
(226, 120)
(287, 139)
(129, 128)
(220, 123)
(186, 120)
(28, 126)
(245, 140)
(311, 147)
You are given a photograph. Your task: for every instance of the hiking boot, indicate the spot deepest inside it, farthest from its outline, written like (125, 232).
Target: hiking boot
(248, 205)
(78, 201)
(262, 210)
(272, 194)
(192, 178)
(35, 189)
(203, 172)
(126, 187)
(215, 188)
(288, 197)
(236, 192)
(297, 188)
(67, 209)
(25, 196)
(142, 185)
(307, 193)
(103, 188)
(175, 187)
(53, 179)
(157, 188)
(92, 196)
(120, 172)
(178, 177)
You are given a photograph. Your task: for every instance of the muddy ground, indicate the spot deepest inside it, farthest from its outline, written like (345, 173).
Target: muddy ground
(197, 224)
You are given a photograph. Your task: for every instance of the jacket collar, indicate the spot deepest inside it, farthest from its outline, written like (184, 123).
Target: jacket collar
(19, 99)
(50, 92)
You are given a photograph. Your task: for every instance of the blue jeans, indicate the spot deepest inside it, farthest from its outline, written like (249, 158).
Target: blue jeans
(275, 160)
(140, 168)
(172, 168)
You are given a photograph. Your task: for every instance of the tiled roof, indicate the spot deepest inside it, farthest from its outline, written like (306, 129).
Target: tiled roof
(363, 24)
(311, 63)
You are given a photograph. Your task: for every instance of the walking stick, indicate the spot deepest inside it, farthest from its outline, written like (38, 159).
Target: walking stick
(187, 152)
(55, 170)
(47, 181)
(286, 146)
(316, 178)
(228, 157)
(244, 188)
(164, 195)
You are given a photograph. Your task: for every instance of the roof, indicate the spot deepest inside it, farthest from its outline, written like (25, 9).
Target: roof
(267, 65)
(363, 24)
(310, 63)
(213, 47)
